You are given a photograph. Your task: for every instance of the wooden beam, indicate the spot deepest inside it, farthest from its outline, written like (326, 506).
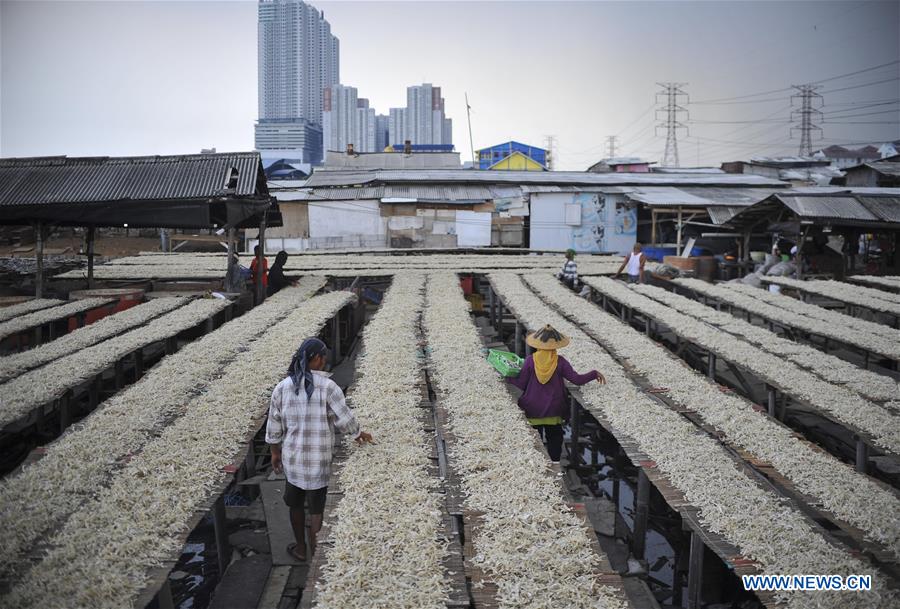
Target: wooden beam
(39, 253)
(91, 234)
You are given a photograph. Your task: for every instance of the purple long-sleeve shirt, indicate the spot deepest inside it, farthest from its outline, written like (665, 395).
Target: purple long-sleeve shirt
(547, 400)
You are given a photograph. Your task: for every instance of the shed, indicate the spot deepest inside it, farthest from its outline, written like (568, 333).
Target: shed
(219, 190)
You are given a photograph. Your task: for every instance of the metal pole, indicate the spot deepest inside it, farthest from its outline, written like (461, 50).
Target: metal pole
(695, 573)
(260, 258)
(39, 253)
(641, 515)
(90, 257)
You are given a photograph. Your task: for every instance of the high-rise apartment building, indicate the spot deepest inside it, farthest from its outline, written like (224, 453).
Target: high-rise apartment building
(382, 132)
(423, 120)
(347, 119)
(298, 58)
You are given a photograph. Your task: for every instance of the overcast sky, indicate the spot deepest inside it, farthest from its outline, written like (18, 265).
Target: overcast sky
(129, 78)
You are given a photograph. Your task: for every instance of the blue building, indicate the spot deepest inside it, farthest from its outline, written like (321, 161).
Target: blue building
(512, 155)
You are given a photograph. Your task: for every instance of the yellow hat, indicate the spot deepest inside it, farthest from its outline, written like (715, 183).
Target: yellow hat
(547, 338)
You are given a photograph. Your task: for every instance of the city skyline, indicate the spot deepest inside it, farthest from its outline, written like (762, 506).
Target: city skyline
(579, 71)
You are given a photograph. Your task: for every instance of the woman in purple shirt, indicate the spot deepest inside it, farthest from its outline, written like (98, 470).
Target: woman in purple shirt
(544, 392)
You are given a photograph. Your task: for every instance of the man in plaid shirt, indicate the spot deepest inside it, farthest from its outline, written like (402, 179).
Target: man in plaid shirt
(304, 411)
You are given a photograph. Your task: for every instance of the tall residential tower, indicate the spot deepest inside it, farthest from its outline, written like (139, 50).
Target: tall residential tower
(298, 58)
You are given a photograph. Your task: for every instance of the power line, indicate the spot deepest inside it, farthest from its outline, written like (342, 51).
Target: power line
(868, 84)
(810, 102)
(672, 91)
(848, 74)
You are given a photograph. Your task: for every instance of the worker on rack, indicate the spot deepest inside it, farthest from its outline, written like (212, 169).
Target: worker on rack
(305, 409)
(633, 265)
(253, 268)
(277, 280)
(569, 272)
(541, 380)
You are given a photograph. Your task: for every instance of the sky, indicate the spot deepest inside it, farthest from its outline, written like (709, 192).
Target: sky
(119, 77)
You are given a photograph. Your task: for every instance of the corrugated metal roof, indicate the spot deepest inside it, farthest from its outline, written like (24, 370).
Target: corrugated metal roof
(544, 188)
(730, 197)
(667, 196)
(838, 207)
(471, 176)
(886, 208)
(427, 192)
(44, 180)
(886, 168)
(721, 214)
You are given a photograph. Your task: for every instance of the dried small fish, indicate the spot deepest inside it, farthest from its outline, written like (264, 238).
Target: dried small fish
(773, 533)
(29, 306)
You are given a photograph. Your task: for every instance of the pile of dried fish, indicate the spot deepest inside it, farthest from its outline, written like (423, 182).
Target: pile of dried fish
(870, 298)
(29, 306)
(841, 403)
(18, 363)
(78, 464)
(42, 385)
(385, 546)
(848, 494)
(528, 541)
(810, 310)
(828, 367)
(100, 558)
(45, 316)
(775, 535)
(870, 336)
(888, 281)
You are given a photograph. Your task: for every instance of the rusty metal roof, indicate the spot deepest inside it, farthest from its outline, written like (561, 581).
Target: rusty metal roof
(832, 206)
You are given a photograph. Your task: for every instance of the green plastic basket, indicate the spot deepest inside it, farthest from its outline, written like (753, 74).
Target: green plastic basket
(506, 363)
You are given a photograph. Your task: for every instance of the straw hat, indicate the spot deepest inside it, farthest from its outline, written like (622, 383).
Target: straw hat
(547, 338)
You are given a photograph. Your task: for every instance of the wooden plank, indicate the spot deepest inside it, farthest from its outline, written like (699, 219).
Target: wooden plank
(278, 522)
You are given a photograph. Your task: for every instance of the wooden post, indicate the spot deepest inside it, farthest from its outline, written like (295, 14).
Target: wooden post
(39, 253)
(695, 573)
(119, 369)
(94, 392)
(711, 368)
(38, 335)
(862, 455)
(641, 515)
(230, 237)
(771, 395)
(65, 411)
(492, 313)
(518, 339)
(678, 247)
(90, 257)
(335, 339)
(223, 551)
(260, 257)
(653, 226)
(500, 321)
(575, 429)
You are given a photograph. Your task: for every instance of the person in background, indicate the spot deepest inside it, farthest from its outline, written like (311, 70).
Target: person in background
(569, 272)
(633, 265)
(234, 279)
(305, 409)
(253, 265)
(277, 280)
(542, 381)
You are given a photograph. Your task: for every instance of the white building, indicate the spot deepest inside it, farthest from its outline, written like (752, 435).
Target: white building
(347, 119)
(382, 132)
(298, 57)
(423, 120)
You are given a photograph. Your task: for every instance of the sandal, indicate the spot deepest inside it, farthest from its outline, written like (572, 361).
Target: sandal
(291, 549)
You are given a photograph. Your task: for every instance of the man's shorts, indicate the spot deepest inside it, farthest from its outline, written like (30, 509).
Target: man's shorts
(632, 278)
(296, 497)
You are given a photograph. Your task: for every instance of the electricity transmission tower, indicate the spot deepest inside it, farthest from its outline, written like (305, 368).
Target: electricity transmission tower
(672, 119)
(550, 143)
(807, 116)
(612, 145)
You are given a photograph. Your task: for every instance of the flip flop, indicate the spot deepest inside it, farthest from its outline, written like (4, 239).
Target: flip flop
(290, 550)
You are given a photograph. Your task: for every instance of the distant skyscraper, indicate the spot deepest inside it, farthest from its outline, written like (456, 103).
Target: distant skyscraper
(382, 131)
(423, 120)
(298, 58)
(347, 119)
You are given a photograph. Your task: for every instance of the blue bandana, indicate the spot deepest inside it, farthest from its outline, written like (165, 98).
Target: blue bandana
(299, 368)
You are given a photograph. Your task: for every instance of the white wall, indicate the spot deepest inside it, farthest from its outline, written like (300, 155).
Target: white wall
(345, 219)
(605, 224)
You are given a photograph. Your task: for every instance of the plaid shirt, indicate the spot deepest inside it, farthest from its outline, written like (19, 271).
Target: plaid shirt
(305, 429)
